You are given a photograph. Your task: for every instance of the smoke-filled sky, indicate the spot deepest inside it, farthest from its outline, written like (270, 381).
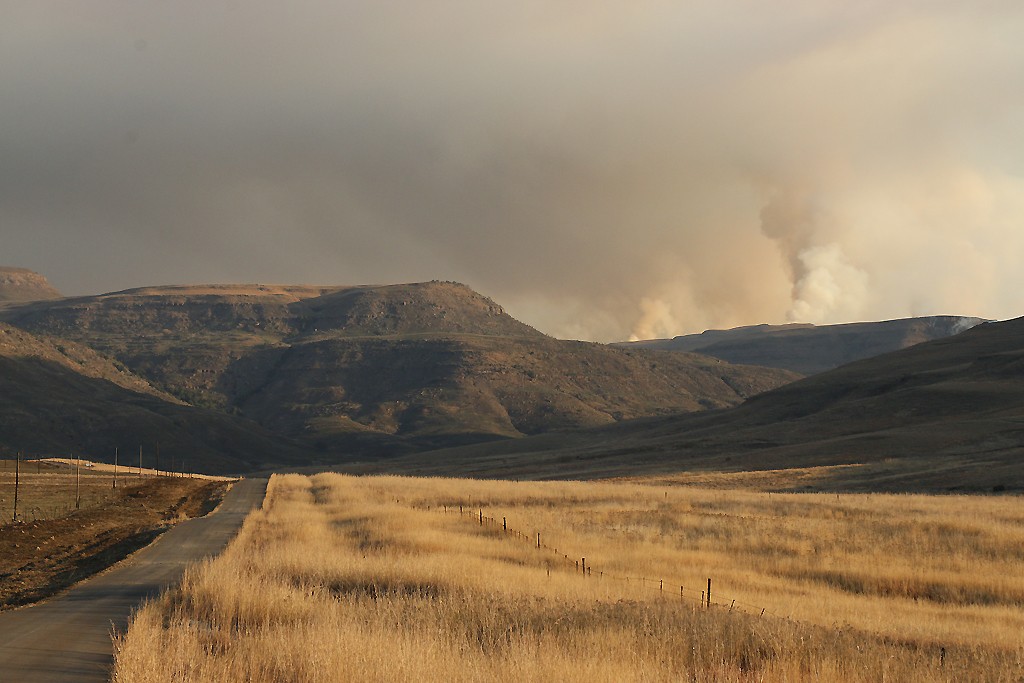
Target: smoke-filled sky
(604, 169)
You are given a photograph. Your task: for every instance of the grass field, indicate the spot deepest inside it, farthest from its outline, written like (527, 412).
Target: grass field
(53, 488)
(48, 490)
(381, 579)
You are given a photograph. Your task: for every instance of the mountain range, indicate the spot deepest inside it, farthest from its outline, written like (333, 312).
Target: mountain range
(375, 370)
(809, 349)
(943, 415)
(436, 378)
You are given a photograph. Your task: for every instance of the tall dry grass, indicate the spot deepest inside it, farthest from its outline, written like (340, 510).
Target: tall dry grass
(341, 578)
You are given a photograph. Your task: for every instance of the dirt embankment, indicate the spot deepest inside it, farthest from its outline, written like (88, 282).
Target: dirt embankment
(38, 559)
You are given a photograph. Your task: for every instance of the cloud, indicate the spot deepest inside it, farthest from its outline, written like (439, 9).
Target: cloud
(600, 169)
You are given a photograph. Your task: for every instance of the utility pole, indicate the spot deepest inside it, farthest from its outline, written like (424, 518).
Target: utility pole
(115, 467)
(17, 482)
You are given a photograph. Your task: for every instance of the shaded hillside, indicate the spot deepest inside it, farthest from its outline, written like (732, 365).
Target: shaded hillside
(942, 415)
(421, 363)
(500, 386)
(809, 349)
(21, 284)
(57, 397)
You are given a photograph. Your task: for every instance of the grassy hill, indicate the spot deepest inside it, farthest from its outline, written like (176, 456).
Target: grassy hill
(58, 397)
(809, 349)
(942, 415)
(382, 368)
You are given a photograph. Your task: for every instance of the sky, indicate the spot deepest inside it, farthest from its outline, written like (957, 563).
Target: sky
(604, 170)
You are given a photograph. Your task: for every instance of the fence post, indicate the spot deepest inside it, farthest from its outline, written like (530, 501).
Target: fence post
(538, 539)
(583, 564)
(504, 524)
(709, 592)
(17, 482)
(702, 598)
(661, 585)
(481, 516)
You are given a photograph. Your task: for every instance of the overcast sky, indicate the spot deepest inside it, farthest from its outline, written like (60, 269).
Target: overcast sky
(602, 169)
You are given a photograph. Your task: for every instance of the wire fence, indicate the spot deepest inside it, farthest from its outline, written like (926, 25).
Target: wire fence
(705, 596)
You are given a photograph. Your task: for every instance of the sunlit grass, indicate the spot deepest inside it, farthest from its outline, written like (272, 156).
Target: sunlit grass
(343, 578)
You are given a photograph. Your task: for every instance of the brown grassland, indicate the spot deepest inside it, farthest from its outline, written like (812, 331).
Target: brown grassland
(344, 578)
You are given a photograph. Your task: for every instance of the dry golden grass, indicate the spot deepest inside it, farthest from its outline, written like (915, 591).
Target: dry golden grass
(48, 490)
(342, 578)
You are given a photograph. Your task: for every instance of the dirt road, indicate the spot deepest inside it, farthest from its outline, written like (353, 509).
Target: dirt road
(67, 639)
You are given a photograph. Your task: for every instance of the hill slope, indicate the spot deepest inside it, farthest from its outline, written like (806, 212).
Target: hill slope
(809, 349)
(942, 415)
(348, 367)
(57, 397)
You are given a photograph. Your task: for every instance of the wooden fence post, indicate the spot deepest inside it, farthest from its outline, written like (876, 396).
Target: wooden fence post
(17, 482)
(584, 565)
(709, 592)
(504, 524)
(481, 516)
(538, 539)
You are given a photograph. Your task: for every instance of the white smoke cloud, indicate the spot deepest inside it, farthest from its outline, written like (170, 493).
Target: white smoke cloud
(829, 289)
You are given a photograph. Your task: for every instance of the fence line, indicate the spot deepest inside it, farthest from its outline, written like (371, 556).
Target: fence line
(586, 569)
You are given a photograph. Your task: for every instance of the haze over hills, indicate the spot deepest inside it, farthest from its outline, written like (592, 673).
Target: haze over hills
(22, 284)
(380, 368)
(809, 349)
(58, 397)
(942, 415)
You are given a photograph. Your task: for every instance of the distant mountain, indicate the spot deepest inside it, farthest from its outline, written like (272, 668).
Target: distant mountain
(21, 284)
(942, 415)
(381, 368)
(809, 349)
(58, 397)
